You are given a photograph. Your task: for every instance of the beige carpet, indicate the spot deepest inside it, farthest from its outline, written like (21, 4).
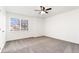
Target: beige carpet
(40, 45)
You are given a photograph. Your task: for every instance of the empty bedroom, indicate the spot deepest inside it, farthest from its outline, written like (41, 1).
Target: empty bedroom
(39, 29)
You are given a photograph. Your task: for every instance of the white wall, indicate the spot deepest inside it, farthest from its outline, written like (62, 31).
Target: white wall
(2, 27)
(35, 27)
(64, 26)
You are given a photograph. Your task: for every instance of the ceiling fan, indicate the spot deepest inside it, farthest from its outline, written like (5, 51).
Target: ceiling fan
(43, 10)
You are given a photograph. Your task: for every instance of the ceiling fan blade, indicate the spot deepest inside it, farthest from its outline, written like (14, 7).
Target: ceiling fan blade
(42, 8)
(49, 9)
(37, 10)
(46, 12)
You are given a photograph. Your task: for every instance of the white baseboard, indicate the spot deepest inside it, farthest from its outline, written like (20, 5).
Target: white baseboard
(62, 39)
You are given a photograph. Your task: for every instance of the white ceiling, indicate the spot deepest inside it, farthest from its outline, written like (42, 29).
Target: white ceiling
(29, 10)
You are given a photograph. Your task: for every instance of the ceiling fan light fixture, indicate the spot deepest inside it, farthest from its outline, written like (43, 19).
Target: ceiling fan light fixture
(42, 12)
